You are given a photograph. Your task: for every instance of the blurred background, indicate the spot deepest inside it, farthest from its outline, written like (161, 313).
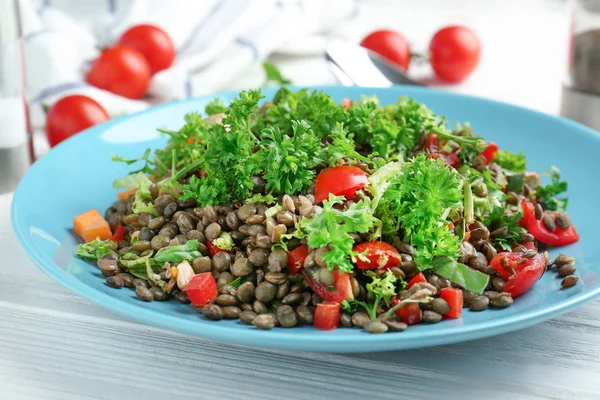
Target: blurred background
(54, 49)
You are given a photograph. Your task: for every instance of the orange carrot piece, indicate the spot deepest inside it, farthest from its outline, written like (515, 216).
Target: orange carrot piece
(91, 225)
(126, 193)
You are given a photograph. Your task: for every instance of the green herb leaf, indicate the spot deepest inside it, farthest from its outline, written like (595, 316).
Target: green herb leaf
(499, 218)
(224, 241)
(142, 202)
(515, 183)
(261, 198)
(552, 196)
(333, 227)
(216, 106)
(96, 249)
(137, 265)
(155, 278)
(515, 162)
(274, 75)
(465, 277)
(177, 254)
(236, 282)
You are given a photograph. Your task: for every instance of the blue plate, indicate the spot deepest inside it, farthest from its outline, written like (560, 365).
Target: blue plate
(77, 176)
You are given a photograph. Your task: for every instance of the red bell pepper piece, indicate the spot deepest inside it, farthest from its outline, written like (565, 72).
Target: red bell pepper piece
(431, 146)
(327, 316)
(214, 249)
(454, 298)
(119, 234)
(296, 259)
(409, 313)
(418, 278)
(201, 289)
(521, 273)
(490, 152)
(557, 237)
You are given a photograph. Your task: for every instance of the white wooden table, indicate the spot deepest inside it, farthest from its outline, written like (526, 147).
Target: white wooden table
(56, 345)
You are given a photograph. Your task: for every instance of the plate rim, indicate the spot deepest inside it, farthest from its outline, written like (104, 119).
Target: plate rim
(282, 338)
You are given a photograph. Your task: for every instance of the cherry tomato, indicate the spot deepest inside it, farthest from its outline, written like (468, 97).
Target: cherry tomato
(296, 259)
(340, 290)
(490, 152)
(557, 237)
(521, 273)
(380, 255)
(214, 249)
(154, 43)
(327, 316)
(418, 278)
(201, 289)
(121, 70)
(454, 298)
(71, 115)
(454, 53)
(409, 313)
(390, 45)
(341, 181)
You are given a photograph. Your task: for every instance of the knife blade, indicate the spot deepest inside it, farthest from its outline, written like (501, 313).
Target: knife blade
(350, 62)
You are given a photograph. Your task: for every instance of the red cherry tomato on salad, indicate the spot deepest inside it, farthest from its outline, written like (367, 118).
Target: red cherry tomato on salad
(327, 316)
(490, 152)
(119, 234)
(380, 255)
(296, 259)
(154, 43)
(557, 237)
(340, 290)
(214, 249)
(454, 298)
(390, 45)
(121, 70)
(344, 181)
(454, 53)
(520, 273)
(409, 313)
(71, 115)
(418, 278)
(201, 289)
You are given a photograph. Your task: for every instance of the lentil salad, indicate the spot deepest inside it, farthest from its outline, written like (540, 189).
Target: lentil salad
(305, 211)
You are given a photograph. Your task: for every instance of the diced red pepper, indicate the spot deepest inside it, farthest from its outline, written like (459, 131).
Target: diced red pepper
(418, 278)
(521, 273)
(431, 146)
(490, 152)
(557, 237)
(327, 316)
(214, 249)
(119, 234)
(201, 289)
(296, 259)
(454, 298)
(379, 254)
(409, 313)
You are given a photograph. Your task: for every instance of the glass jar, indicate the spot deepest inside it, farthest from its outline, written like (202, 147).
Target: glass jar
(581, 92)
(15, 138)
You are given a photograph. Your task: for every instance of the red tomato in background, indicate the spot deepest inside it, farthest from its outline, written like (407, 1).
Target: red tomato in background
(380, 255)
(391, 45)
(520, 273)
(71, 115)
(121, 70)
(154, 43)
(454, 53)
(344, 181)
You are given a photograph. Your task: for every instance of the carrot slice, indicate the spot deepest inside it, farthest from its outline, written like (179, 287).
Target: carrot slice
(126, 193)
(91, 225)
